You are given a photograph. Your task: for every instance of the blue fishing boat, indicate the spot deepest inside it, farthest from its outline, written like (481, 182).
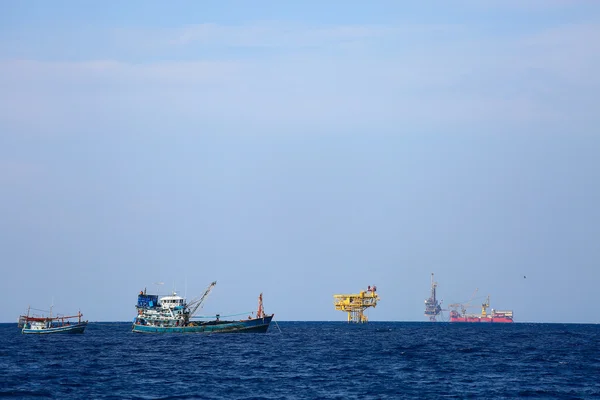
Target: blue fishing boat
(41, 325)
(172, 314)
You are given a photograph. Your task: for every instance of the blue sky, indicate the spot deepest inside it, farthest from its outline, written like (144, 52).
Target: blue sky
(300, 150)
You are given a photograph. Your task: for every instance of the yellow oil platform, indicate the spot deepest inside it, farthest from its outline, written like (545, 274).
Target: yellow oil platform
(356, 304)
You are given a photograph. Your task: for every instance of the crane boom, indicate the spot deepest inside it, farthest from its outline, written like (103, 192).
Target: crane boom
(196, 303)
(465, 305)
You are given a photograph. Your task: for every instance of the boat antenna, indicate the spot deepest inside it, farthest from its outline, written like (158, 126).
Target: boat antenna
(158, 284)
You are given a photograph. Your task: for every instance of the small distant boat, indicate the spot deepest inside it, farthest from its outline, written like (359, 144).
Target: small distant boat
(41, 325)
(172, 314)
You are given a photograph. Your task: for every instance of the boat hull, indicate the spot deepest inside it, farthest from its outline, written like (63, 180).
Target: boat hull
(74, 328)
(258, 325)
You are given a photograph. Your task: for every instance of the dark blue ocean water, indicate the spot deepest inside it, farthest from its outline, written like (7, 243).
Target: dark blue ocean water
(307, 360)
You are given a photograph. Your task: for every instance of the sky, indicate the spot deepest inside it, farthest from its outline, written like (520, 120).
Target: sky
(300, 149)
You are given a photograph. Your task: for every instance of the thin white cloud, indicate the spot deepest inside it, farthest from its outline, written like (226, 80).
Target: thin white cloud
(34, 72)
(273, 34)
(526, 5)
(459, 80)
(570, 52)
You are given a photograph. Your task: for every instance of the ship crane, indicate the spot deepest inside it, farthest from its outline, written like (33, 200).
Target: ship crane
(484, 306)
(463, 306)
(195, 304)
(356, 304)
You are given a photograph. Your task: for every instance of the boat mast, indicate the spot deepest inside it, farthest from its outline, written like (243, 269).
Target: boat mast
(260, 313)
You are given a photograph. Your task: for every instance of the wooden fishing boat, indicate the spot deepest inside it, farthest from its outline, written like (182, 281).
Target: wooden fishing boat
(42, 325)
(173, 314)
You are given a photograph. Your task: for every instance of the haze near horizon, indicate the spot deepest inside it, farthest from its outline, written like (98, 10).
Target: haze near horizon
(300, 150)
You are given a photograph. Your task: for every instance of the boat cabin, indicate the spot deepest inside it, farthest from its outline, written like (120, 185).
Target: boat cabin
(147, 300)
(172, 302)
(39, 325)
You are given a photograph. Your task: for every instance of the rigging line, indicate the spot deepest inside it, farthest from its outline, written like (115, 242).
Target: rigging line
(221, 316)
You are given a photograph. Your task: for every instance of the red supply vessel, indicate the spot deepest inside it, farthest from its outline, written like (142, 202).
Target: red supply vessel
(495, 316)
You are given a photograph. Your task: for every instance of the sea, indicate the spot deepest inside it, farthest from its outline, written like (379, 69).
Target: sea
(307, 360)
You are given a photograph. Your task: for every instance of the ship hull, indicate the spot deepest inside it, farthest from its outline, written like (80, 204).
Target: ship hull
(75, 328)
(484, 320)
(258, 325)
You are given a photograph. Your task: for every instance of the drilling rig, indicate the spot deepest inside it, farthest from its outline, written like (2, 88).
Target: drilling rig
(433, 307)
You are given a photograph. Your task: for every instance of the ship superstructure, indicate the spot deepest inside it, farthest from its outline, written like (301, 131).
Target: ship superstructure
(433, 307)
(355, 304)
